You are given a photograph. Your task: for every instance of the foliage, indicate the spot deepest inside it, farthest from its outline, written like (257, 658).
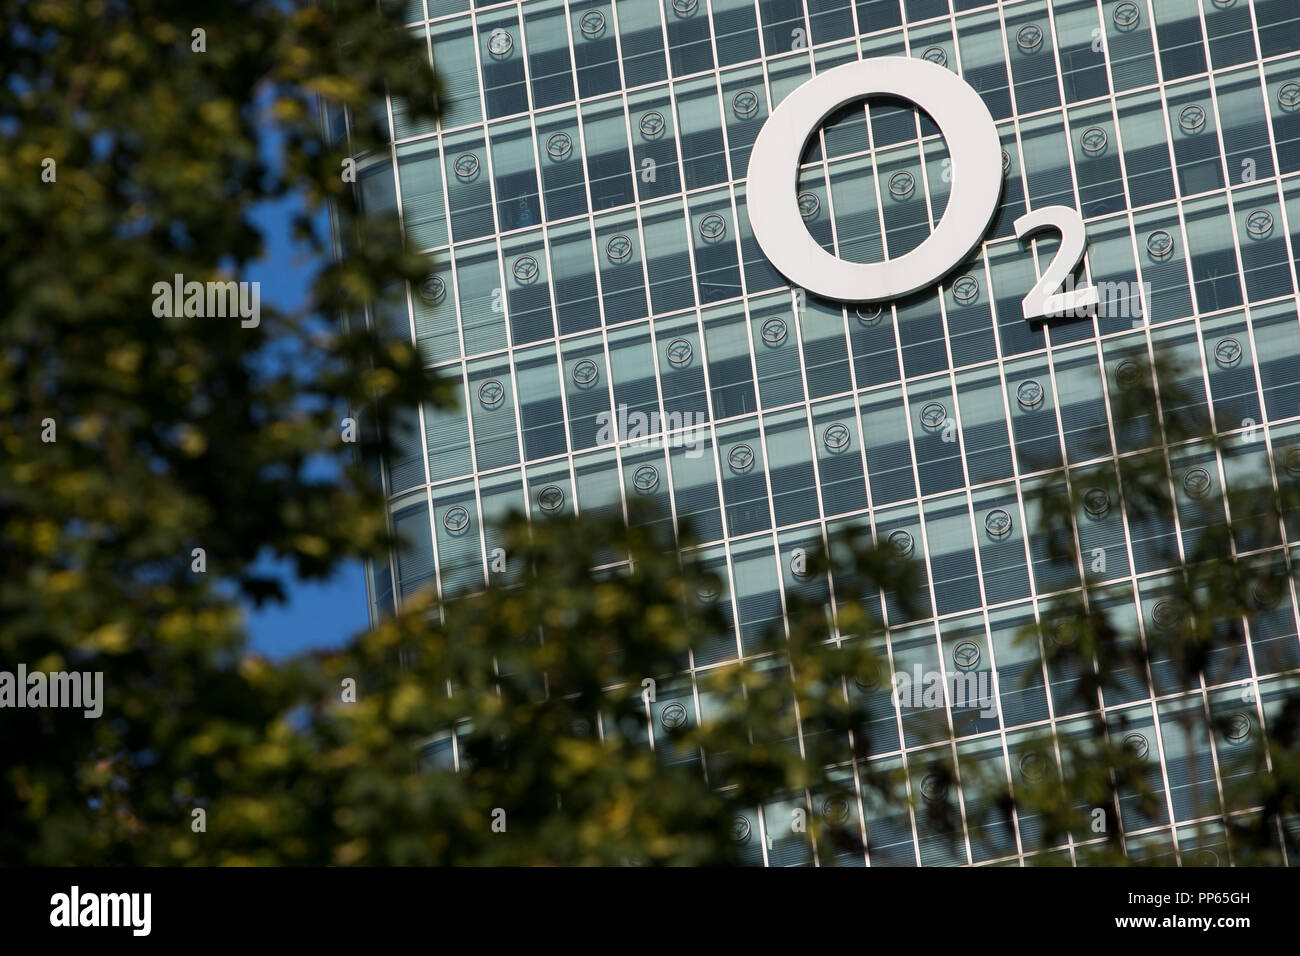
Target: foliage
(1228, 576)
(129, 439)
(543, 678)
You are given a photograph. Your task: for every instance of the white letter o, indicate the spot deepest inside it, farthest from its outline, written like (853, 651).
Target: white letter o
(972, 139)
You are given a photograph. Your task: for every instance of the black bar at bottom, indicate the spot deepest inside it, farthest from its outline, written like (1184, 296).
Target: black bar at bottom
(333, 906)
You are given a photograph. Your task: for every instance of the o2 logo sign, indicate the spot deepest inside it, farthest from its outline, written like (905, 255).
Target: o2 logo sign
(976, 154)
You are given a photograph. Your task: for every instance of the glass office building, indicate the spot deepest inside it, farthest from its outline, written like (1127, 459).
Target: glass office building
(617, 335)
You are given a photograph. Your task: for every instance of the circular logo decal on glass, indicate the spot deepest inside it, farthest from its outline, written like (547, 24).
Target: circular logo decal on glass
(966, 655)
(1237, 727)
(936, 54)
(1096, 502)
(799, 564)
(585, 373)
(707, 592)
(433, 289)
(966, 289)
(1191, 119)
(773, 331)
(500, 43)
(592, 24)
(1137, 743)
(1165, 615)
(1227, 352)
(1223, 4)
(809, 206)
(902, 542)
(1006, 162)
(645, 479)
(873, 680)
(559, 145)
(491, 394)
(1029, 38)
(1063, 634)
(619, 249)
(997, 523)
(933, 415)
(1288, 96)
(1094, 141)
(1033, 766)
(1127, 374)
(1160, 245)
(652, 124)
(466, 167)
(901, 184)
(712, 227)
(1125, 16)
(1291, 460)
(679, 352)
(836, 437)
(1259, 224)
(835, 810)
(1029, 394)
(525, 269)
(741, 458)
(869, 314)
(1264, 595)
(455, 520)
(673, 716)
(1197, 483)
(933, 788)
(551, 498)
(745, 104)
(740, 828)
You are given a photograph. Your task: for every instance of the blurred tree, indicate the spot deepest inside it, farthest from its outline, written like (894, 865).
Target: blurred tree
(1187, 637)
(149, 460)
(577, 736)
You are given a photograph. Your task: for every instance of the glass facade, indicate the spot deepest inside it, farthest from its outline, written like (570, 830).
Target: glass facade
(616, 334)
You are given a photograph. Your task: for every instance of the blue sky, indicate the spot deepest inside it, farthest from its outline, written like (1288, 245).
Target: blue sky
(317, 614)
